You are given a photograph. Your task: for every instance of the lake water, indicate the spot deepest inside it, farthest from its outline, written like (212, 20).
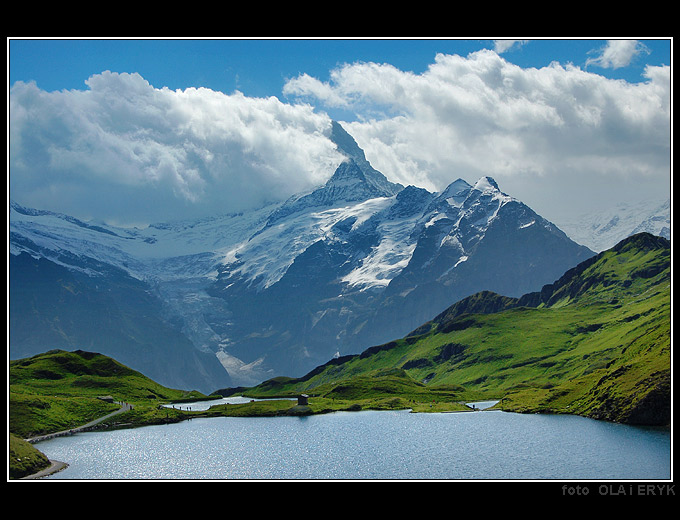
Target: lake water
(370, 445)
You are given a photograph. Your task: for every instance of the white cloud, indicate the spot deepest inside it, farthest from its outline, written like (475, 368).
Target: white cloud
(501, 46)
(482, 115)
(160, 154)
(554, 137)
(617, 54)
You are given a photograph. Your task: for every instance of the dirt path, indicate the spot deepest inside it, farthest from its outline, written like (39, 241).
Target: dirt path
(124, 407)
(53, 468)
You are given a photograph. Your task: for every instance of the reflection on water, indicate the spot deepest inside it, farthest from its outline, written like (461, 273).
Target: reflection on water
(197, 406)
(370, 445)
(481, 405)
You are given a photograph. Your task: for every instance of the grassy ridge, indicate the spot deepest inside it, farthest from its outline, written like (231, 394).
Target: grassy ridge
(594, 343)
(59, 390)
(380, 389)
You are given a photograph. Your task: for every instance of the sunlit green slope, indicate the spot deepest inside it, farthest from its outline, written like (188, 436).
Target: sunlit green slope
(59, 390)
(595, 343)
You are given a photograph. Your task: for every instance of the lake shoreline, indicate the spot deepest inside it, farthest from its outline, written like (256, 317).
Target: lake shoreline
(417, 446)
(57, 466)
(54, 467)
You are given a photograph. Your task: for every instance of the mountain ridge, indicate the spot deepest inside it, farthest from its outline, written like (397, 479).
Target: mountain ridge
(292, 284)
(604, 354)
(381, 266)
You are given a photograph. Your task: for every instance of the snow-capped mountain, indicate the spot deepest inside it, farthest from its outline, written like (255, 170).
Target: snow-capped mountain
(334, 279)
(605, 228)
(278, 291)
(177, 246)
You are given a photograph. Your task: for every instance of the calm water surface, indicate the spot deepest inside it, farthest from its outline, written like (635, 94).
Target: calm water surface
(369, 445)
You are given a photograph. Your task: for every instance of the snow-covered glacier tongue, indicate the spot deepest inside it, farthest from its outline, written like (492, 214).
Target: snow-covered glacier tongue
(137, 295)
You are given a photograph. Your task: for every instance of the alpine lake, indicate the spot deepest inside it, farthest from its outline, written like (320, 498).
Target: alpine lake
(369, 445)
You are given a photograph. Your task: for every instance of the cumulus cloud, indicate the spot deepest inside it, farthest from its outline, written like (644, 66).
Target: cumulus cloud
(123, 150)
(501, 46)
(555, 137)
(617, 53)
(558, 126)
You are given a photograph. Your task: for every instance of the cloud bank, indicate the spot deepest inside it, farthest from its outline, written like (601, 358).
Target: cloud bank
(555, 137)
(556, 131)
(127, 152)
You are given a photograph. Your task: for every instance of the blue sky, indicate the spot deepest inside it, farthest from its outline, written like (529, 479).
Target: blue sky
(259, 67)
(98, 128)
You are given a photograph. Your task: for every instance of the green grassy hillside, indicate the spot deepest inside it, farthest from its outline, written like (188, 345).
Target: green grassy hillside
(60, 390)
(24, 459)
(594, 343)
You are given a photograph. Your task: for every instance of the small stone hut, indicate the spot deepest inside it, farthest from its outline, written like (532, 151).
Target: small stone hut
(303, 400)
